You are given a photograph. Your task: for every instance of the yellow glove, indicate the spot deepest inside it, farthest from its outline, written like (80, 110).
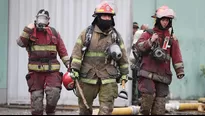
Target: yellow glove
(74, 74)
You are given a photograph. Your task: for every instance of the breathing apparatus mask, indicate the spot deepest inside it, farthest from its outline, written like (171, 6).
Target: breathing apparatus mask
(114, 51)
(158, 53)
(42, 20)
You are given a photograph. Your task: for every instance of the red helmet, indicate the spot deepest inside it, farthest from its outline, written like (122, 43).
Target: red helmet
(104, 7)
(68, 82)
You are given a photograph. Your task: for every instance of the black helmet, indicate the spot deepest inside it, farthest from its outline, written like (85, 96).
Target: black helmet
(43, 12)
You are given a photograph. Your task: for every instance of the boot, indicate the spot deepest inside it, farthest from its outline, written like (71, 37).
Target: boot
(159, 106)
(146, 103)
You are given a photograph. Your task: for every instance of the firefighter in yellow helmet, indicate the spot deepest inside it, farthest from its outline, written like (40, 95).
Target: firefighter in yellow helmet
(99, 61)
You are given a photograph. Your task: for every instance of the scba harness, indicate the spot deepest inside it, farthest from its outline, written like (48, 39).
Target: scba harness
(88, 37)
(47, 60)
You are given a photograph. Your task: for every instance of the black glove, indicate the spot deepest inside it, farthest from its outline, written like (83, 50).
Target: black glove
(180, 76)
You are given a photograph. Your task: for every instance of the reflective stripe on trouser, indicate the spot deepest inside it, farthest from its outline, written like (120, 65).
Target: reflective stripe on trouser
(37, 102)
(52, 97)
(44, 67)
(107, 94)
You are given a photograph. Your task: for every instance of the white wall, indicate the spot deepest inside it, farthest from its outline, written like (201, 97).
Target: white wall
(69, 17)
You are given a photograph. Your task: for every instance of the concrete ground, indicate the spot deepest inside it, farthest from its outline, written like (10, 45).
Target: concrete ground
(185, 113)
(25, 110)
(17, 111)
(68, 110)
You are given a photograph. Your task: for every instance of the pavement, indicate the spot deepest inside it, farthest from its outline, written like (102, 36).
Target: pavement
(12, 111)
(16, 109)
(25, 110)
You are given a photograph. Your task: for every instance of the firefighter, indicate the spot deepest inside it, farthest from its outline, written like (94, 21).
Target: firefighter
(158, 46)
(135, 27)
(135, 64)
(98, 67)
(43, 43)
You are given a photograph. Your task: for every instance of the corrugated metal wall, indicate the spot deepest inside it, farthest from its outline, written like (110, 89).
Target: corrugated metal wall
(69, 17)
(189, 27)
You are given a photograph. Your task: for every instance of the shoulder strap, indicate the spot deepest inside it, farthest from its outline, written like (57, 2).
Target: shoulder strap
(150, 31)
(88, 37)
(54, 32)
(116, 37)
(171, 41)
(171, 35)
(89, 30)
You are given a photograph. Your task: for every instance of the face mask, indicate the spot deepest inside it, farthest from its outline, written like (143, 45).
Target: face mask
(104, 24)
(41, 22)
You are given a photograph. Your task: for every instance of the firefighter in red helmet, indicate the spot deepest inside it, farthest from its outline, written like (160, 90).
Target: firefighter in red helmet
(43, 43)
(158, 47)
(102, 63)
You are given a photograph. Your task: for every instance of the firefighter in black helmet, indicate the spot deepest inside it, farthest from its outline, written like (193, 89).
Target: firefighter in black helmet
(43, 43)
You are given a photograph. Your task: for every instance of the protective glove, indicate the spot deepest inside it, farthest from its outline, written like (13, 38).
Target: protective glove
(74, 74)
(180, 76)
(154, 37)
(123, 77)
(180, 73)
(31, 26)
